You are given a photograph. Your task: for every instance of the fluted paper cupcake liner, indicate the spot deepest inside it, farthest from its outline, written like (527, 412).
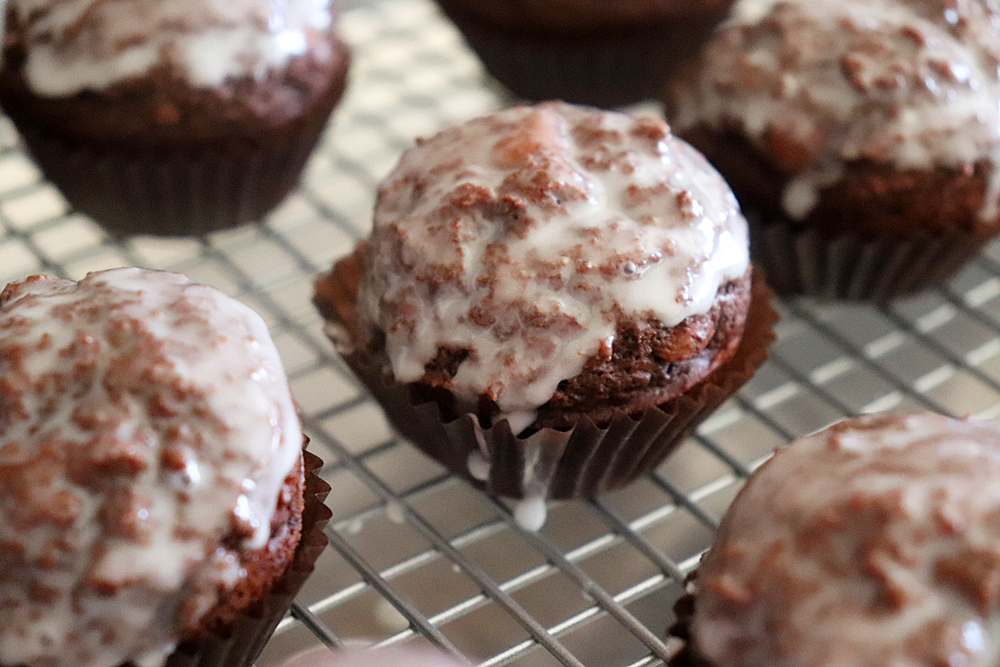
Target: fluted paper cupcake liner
(246, 638)
(609, 70)
(585, 460)
(167, 192)
(854, 266)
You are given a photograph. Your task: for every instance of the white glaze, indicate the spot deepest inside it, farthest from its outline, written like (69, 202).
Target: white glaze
(76, 45)
(530, 513)
(211, 389)
(478, 466)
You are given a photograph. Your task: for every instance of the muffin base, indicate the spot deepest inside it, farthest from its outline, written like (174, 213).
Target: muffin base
(584, 460)
(241, 643)
(857, 267)
(186, 190)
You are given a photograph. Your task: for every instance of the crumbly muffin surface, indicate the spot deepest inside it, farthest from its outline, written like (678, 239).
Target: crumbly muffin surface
(146, 434)
(873, 543)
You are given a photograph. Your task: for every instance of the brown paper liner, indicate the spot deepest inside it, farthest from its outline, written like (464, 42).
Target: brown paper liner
(171, 193)
(854, 266)
(587, 459)
(184, 191)
(251, 631)
(605, 70)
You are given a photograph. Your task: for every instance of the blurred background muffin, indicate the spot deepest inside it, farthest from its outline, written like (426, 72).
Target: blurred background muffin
(602, 52)
(861, 137)
(872, 542)
(171, 117)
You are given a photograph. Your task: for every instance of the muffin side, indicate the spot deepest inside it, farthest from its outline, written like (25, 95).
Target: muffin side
(239, 641)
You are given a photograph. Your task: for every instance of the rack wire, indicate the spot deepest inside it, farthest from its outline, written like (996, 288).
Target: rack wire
(417, 556)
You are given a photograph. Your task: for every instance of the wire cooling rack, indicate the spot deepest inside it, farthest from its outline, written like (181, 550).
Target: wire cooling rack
(418, 556)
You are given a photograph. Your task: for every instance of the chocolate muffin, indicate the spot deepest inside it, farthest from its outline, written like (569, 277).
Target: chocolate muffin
(153, 492)
(171, 117)
(602, 52)
(872, 543)
(540, 269)
(860, 137)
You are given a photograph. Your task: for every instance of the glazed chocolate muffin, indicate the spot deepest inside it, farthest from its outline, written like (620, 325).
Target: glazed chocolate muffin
(872, 543)
(602, 52)
(861, 137)
(152, 484)
(172, 117)
(540, 268)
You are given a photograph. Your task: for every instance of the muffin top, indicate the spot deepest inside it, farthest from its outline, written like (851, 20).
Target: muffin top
(817, 83)
(77, 45)
(521, 239)
(146, 431)
(873, 543)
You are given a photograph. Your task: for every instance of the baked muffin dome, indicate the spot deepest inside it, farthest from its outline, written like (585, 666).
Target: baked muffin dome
(151, 459)
(183, 115)
(872, 543)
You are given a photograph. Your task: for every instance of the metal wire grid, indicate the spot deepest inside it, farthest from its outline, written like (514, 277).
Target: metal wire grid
(418, 556)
